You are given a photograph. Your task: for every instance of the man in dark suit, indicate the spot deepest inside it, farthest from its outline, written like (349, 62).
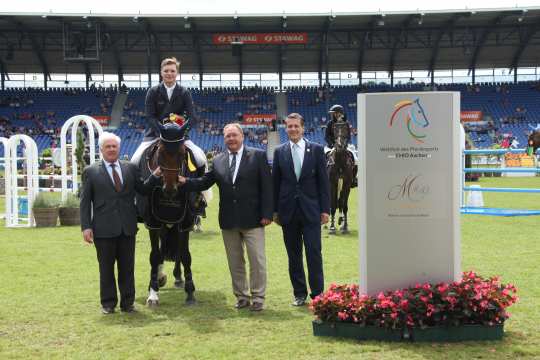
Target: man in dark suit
(162, 100)
(109, 220)
(245, 207)
(302, 204)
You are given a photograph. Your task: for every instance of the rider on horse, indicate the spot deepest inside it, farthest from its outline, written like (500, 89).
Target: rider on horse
(168, 101)
(338, 116)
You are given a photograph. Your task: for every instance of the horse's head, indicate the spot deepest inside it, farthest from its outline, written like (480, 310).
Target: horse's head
(533, 142)
(341, 135)
(171, 154)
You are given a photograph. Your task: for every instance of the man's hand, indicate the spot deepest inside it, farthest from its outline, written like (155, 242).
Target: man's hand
(276, 219)
(157, 172)
(88, 236)
(265, 221)
(181, 180)
(324, 218)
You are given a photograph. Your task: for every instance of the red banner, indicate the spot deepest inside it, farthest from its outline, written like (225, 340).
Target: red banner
(471, 116)
(260, 38)
(258, 119)
(103, 120)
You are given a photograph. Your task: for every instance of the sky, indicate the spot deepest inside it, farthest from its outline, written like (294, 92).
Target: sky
(202, 7)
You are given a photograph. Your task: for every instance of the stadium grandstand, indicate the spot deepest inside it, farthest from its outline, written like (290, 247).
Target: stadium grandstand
(252, 68)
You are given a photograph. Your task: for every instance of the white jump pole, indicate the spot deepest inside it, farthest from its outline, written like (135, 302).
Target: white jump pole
(12, 191)
(5, 144)
(73, 123)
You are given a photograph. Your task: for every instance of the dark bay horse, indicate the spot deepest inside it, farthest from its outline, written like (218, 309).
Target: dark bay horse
(533, 142)
(340, 172)
(169, 212)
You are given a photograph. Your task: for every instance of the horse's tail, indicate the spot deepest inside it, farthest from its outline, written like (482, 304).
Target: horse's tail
(170, 246)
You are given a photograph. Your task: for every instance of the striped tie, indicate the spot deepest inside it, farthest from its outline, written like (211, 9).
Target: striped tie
(116, 178)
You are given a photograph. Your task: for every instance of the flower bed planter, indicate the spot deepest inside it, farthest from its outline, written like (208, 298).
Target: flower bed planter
(46, 217)
(458, 333)
(430, 334)
(355, 331)
(69, 216)
(454, 311)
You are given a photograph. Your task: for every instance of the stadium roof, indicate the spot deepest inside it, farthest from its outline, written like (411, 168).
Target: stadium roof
(390, 41)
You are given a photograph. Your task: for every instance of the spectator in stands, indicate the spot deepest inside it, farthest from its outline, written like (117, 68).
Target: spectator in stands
(161, 101)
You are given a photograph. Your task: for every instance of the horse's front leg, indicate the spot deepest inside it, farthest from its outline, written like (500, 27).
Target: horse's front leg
(185, 257)
(344, 206)
(177, 272)
(333, 204)
(156, 259)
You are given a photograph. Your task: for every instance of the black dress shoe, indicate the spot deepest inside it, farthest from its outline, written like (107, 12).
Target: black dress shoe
(256, 306)
(107, 310)
(242, 303)
(299, 301)
(128, 309)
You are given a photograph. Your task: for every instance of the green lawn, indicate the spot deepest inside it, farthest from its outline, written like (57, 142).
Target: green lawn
(50, 297)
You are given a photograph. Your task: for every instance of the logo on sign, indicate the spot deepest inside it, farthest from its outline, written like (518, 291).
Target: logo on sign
(413, 116)
(411, 188)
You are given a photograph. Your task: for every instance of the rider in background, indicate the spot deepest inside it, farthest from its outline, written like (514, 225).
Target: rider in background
(168, 101)
(337, 114)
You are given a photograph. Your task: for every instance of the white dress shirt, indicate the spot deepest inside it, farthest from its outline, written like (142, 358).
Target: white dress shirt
(301, 149)
(238, 159)
(118, 170)
(169, 90)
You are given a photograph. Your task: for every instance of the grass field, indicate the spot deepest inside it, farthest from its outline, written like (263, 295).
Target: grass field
(50, 297)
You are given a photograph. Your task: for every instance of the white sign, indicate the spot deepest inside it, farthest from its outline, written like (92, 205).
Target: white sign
(409, 189)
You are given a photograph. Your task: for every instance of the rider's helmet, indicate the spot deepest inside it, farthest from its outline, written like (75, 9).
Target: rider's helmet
(337, 112)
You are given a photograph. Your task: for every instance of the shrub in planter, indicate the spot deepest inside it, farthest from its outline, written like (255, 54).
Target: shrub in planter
(473, 300)
(69, 211)
(45, 210)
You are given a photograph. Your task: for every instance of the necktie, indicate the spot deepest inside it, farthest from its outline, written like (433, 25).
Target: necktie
(116, 178)
(232, 167)
(296, 161)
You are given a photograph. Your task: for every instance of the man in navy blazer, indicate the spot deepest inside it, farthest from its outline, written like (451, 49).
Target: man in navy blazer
(301, 205)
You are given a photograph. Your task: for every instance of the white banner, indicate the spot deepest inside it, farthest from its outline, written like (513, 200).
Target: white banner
(409, 189)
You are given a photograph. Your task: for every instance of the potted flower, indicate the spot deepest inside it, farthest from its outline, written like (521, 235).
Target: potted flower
(69, 211)
(473, 308)
(45, 210)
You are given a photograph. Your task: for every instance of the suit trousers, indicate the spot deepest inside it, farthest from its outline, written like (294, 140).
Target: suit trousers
(120, 249)
(297, 234)
(253, 240)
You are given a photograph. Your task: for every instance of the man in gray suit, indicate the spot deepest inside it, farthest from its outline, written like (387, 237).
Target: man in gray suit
(109, 220)
(245, 207)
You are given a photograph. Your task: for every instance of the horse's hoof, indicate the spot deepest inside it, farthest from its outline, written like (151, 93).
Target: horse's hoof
(179, 284)
(152, 303)
(344, 231)
(190, 301)
(332, 231)
(162, 281)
